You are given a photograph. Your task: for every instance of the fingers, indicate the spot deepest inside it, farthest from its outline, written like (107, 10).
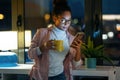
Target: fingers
(47, 45)
(50, 44)
(76, 43)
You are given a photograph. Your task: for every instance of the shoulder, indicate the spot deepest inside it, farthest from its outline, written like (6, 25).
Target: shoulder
(70, 37)
(42, 29)
(49, 28)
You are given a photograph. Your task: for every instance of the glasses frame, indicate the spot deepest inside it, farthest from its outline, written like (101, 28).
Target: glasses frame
(64, 21)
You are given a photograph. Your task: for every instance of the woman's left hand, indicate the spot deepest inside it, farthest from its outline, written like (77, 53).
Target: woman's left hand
(76, 44)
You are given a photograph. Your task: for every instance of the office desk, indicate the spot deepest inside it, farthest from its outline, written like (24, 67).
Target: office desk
(107, 71)
(20, 69)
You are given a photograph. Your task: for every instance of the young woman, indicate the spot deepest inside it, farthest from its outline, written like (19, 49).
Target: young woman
(49, 63)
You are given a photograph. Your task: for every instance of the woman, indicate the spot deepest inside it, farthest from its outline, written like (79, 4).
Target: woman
(49, 63)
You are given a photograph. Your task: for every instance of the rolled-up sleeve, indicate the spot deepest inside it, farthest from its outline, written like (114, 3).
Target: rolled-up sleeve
(34, 50)
(77, 63)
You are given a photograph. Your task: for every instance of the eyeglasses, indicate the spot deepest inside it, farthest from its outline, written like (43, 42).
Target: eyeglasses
(63, 21)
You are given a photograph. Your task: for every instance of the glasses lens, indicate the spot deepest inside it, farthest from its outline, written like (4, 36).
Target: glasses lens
(63, 20)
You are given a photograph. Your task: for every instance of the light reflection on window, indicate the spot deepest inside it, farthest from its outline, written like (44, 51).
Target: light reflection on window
(1, 16)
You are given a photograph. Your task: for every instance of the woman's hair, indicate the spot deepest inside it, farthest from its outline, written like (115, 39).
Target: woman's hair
(60, 6)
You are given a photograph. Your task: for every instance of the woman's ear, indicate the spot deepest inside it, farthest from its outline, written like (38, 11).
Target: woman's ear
(54, 18)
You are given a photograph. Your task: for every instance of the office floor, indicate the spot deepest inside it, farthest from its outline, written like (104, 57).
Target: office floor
(26, 77)
(16, 77)
(90, 78)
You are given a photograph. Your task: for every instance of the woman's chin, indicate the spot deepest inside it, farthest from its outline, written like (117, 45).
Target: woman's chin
(64, 28)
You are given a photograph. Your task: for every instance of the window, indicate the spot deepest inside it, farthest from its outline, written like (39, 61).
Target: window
(111, 28)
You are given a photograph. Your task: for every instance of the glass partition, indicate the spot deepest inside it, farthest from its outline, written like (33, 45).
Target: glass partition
(5, 15)
(12, 19)
(111, 28)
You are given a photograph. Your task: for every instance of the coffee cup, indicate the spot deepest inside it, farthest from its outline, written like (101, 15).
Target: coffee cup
(59, 45)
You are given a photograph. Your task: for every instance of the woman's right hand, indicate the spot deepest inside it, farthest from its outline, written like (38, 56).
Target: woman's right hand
(47, 46)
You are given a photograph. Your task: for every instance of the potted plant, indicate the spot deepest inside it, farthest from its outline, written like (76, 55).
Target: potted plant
(92, 52)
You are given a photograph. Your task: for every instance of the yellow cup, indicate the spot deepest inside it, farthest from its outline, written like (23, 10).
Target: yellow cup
(59, 45)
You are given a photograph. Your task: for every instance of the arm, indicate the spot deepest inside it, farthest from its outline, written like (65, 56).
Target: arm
(40, 43)
(76, 53)
(40, 37)
(76, 44)
(34, 50)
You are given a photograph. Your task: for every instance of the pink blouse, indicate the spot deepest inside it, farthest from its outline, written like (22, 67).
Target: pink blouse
(40, 68)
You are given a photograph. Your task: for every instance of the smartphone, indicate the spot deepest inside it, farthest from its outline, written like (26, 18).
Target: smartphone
(79, 35)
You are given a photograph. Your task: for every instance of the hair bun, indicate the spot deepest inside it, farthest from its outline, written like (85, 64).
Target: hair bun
(59, 3)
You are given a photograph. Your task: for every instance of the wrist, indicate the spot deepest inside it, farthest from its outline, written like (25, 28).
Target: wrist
(77, 56)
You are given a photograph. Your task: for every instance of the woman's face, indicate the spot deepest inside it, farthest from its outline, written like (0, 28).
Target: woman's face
(63, 21)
